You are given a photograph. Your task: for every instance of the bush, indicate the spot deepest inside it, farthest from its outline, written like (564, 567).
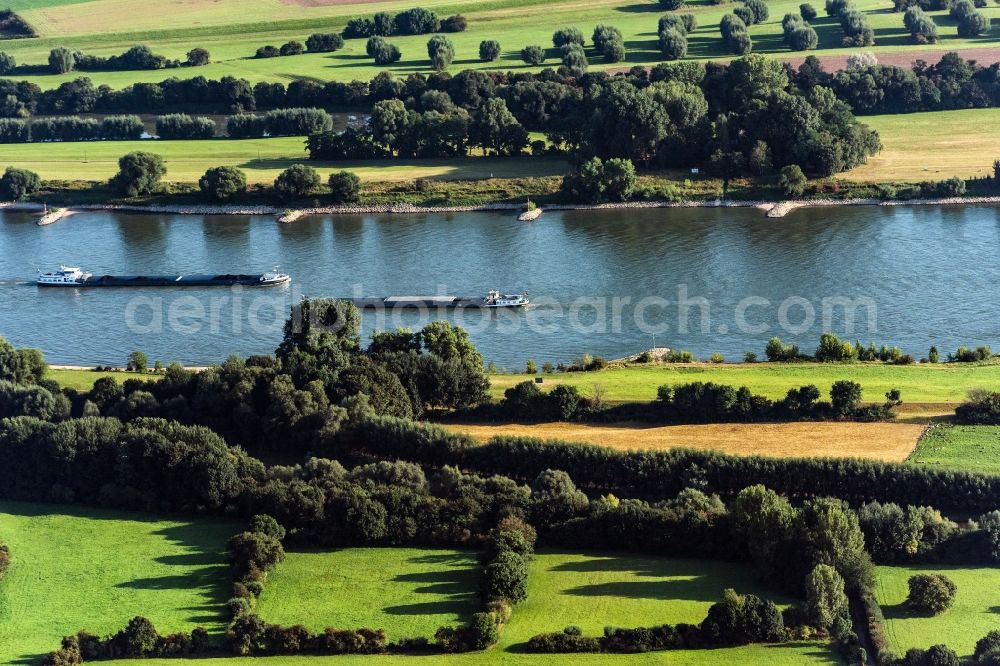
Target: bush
(297, 180)
(197, 57)
(441, 52)
(183, 126)
(345, 187)
(673, 44)
(973, 24)
(359, 28)
(17, 183)
(222, 183)
(803, 38)
(416, 21)
(489, 50)
(7, 63)
(931, 594)
(533, 55)
(807, 11)
(292, 48)
(574, 58)
(456, 23)
(138, 173)
(982, 408)
(61, 60)
(324, 42)
(564, 36)
(671, 4)
(792, 181)
(382, 51)
(759, 9)
(268, 51)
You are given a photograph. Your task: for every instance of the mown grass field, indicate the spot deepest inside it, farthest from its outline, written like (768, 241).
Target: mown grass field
(591, 590)
(891, 442)
(407, 591)
(83, 380)
(973, 615)
(924, 383)
(232, 30)
(82, 568)
(261, 159)
(960, 447)
(931, 146)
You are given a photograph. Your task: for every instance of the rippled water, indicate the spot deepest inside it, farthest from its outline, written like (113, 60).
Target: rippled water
(931, 274)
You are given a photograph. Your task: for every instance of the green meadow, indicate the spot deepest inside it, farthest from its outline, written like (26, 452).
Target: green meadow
(83, 568)
(232, 30)
(923, 383)
(973, 615)
(261, 159)
(407, 591)
(590, 590)
(960, 447)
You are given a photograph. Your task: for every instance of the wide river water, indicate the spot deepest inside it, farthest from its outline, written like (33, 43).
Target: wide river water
(609, 283)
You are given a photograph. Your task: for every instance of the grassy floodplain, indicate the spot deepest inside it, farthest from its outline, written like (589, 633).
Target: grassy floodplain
(933, 384)
(84, 568)
(232, 30)
(261, 159)
(590, 590)
(931, 146)
(973, 615)
(407, 591)
(960, 447)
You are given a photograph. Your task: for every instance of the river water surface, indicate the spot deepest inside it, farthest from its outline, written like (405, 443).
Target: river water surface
(604, 282)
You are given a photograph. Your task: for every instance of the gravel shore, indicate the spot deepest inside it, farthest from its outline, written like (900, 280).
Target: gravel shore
(772, 209)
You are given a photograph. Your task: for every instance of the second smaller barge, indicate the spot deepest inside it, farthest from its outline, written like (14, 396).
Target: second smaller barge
(493, 299)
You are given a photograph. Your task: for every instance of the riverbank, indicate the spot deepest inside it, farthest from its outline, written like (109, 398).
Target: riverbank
(771, 209)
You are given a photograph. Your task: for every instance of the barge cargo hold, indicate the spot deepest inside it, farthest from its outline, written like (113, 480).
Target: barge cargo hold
(493, 299)
(70, 276)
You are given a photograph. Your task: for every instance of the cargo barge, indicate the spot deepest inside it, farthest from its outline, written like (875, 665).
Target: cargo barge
(493, 299)
(71, 276)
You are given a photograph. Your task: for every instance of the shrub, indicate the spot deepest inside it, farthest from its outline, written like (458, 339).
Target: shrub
(673, 44)
(345, 187)
(803, 38)
(138, 173)
(931, 594)
(18, 183)
(574, 58)
(759, 9)
(7, 63)
(359, 28)
(564, 36)
(197, 57)
(533, 55)
(61, 60)
(296, 181)
(416, 21)
(671, 4)
(292, 48)
(456, 23)
(441, 52)
(792, 181)
(222, 183)
(973, 24)
(384, 52)
(324, 42)
(268, 51)
(489, 50)
(183, 126)
(807, 11)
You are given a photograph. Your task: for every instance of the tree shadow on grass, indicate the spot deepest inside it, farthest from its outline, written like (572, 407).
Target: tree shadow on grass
(687, 589)
(457, 582)
(642, 8)
(208, 576)
(901, 611)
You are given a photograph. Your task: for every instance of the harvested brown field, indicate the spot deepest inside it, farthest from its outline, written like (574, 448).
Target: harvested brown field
(881, 441)
(983, 55)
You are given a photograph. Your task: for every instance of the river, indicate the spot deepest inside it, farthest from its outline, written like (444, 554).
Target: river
(605, 282)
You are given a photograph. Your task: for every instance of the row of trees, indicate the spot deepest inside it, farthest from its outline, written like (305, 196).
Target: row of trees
(71, 128)
(63, 60)
(866, 86)
(696, 402)
(415, 21)
(857, 30)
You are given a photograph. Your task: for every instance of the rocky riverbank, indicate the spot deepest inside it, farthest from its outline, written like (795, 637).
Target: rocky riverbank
(771, 209)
